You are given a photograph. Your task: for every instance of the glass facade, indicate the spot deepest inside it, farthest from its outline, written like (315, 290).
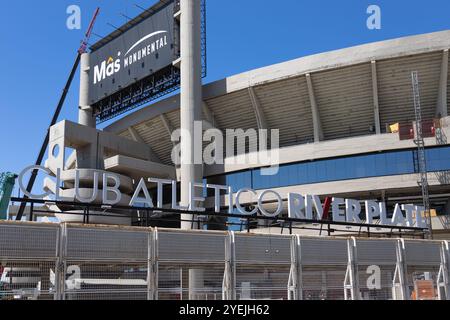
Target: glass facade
(346, 168)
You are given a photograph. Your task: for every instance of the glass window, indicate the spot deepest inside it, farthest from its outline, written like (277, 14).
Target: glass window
(321, 171)
(292, 174)
(340, 169)
(352, 167)
(379, 164)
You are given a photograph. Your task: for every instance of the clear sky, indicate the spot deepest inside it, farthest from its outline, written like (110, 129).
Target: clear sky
(38, 50)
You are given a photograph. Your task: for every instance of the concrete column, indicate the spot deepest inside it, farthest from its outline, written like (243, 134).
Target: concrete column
(191, 110)
(87, 156)
(85, 113)
(191, 97)
(318, 133)
(441, 108)
(376, 105)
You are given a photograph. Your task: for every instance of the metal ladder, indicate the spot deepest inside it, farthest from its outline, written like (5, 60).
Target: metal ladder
(421, 156)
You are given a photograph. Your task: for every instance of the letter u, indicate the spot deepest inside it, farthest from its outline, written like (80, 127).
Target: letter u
(77, 188)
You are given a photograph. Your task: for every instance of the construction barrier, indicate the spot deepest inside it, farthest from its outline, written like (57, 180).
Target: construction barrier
(85, 262)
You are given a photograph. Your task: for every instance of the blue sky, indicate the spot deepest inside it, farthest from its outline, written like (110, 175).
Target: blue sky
(37, 50)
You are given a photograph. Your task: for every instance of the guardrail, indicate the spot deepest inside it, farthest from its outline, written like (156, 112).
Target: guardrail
(146, 217)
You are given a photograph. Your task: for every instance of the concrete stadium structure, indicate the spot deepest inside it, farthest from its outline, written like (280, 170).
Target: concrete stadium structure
(333, 111)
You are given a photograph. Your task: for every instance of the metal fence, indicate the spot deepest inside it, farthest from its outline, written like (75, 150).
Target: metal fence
(84, 262)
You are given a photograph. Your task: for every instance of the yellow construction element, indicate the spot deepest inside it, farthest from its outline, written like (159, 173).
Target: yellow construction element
(395, 128)
(433, 213)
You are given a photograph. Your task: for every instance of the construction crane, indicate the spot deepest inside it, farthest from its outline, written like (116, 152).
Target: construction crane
(7, 181)
(421, 155)
(44, 146)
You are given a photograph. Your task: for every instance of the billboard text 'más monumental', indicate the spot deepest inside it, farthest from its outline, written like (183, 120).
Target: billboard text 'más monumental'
(144, 49)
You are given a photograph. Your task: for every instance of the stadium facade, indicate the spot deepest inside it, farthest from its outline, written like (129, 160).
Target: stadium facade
(334, 112)
(346, 129)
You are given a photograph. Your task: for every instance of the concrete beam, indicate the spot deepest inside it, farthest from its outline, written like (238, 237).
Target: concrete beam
(209, 115)
(136, 168)
(259, 113)
(376, 104)
(441, 108)
(153, 111)
(77, 136)
(136, 137)
(317, 124)
(166, 123)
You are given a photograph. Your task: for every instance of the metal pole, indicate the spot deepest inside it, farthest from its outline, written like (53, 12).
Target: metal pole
(229, 279)
(351, 281)
(295, 287)
(400, 280)
(443, 275)
(152, 265)
(60, 268)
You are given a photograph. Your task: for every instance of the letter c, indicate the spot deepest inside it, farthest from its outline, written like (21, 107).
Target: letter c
(24, 190)
(238, 202)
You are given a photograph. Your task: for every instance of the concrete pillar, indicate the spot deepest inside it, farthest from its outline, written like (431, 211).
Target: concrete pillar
(191, 97)
(376, 105)
(87, 156)
(85, 113)
(191, 110)
(441, 108)
(318, 132)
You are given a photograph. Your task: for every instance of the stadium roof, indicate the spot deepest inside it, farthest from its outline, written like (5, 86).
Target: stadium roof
(345, 84)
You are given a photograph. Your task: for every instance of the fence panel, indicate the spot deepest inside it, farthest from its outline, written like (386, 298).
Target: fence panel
(79, 262)
(191, 265)
(422, 267)
(28, 255)
(105, 263)
(324, 264)
(262, 266)
(376, 260)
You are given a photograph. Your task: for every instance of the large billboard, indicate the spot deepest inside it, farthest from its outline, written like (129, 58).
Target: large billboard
(144, 49)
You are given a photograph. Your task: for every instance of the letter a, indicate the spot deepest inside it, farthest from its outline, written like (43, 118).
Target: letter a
(74, 20)
(374, 20)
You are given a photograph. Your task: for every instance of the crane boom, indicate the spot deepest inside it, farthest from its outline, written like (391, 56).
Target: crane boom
(44, 146)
